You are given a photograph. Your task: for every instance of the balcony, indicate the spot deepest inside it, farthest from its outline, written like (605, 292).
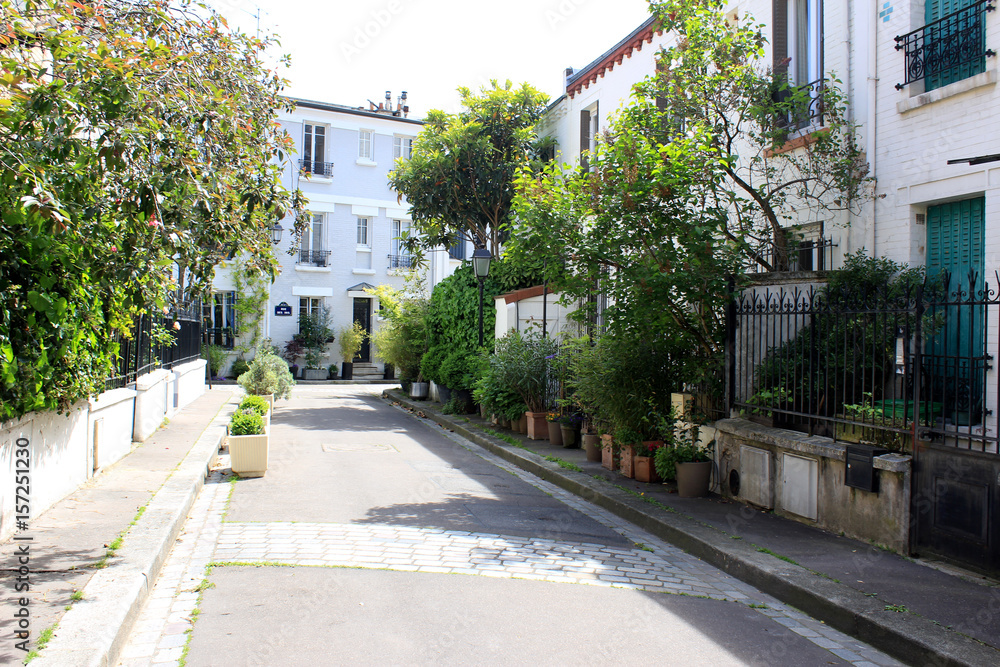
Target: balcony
(400, 262)
(314, 257)
(314, 168)
(800, 255)
(947, 50)
(801, 107)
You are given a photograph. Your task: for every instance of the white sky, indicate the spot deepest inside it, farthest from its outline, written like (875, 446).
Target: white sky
(347, 52)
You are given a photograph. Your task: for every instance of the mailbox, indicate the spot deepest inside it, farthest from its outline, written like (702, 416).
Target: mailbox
(861, 473)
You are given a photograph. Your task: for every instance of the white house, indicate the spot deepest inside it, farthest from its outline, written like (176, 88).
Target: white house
(343, 156)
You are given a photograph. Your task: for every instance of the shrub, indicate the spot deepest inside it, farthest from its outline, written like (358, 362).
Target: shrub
(492, 393)
(240, 366)
(255, 403)
(521, 362)
(246, 423)
(430, 364)
(351, 340)
(216, 357)
(458, 370)
(268, 374)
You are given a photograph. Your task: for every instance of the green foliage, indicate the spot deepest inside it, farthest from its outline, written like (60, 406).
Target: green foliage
(521, 362)
(683, 449)
(216, 357)
(492, 391)
(314, 335)
(402, 339)
(246, 422)
(251, 295)
(458, 370)
(351, 339)
(268, 374)
(459, 178)
(138, 147)
(240, 366)
(430, 363)
(255, 403)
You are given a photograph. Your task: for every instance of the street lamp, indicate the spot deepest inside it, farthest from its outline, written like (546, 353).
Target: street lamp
(276, 233)
(481, 258)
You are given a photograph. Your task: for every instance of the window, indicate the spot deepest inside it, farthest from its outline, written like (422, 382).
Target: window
(311, 246)
(364, 232)
(365, 144)
(308, 306)
(797, 50)
(950, 47)
(314, 150)
(402, 147)
(457, 251)
(218, 314)
(589, 128)
(398, 257)
(805, 38)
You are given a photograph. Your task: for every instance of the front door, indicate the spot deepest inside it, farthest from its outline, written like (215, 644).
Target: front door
(363, 316)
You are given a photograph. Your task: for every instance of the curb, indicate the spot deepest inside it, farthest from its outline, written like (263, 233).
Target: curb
(913, 639)
(95, 630)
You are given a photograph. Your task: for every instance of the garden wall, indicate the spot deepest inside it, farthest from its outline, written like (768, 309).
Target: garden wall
(802, 477)
(523, 310)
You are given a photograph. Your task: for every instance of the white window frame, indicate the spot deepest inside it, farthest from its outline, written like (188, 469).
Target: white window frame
(364, 237)
(805, 41)
(313, 238)
(309, 305)
(402, 147)
(309, 152)
(366, 145)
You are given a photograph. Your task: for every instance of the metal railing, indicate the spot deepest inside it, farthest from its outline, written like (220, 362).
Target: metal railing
(400, 261)
(811, 255)
(317, 257)
(885, 366)
(141, 353)
(315, 168)
(801, 106)
(953, 47)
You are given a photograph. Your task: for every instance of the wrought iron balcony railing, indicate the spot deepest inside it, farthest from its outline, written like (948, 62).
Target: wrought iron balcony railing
(813, 255)
(949, 49)
(400, 262)
(316, 257)
(802, 106)
(314, 168)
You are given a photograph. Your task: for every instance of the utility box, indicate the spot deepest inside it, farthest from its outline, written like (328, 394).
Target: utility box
(860, 472)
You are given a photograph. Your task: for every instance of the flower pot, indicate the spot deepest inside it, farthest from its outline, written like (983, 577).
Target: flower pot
(465, 402)
(523, 425)
(388, 373)
(348, 371)
(315, 374)
(419, 390)
(444, 394)
(568, 436)
(608, 454)
(536, 423)
(555, 433)
(592, 445)
(627, 458)
(693, 478)
(645, 471)
(248, 453)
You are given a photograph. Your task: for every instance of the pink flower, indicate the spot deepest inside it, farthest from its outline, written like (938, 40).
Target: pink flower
(114, 248)
(177, 326)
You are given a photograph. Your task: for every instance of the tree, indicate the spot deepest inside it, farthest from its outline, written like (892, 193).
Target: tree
(459, 178)
(138, 147)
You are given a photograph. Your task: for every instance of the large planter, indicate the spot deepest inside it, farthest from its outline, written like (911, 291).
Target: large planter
(315, 373)
(536, 423)
(608, 453)
(388, 372)
(555, 433)
(627, 458)
(645, 471)
(516, 425)
(444, 394)
(465, 402)
(248, 453)
(523, 423)
(568, 437)
(347, 372)
(418, 390)
(693, 479)
(592, 445)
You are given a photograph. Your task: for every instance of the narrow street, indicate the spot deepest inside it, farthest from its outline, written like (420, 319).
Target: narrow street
(350, 550)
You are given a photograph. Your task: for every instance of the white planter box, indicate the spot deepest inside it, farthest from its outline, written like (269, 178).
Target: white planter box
(248, 453)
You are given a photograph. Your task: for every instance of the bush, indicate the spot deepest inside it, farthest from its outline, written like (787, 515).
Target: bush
(401, 340)
(255, 403)
(351, 340)
(492, 393)
(458, 370)
(430, 364)
(240, 366)
(268, 374)
(314, 335)
(246, 423)
(522, 364)
(216, 357)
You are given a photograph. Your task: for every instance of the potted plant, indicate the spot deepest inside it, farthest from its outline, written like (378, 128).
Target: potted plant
(314, 335)
(627, 440)
(592, 445)
(248, 437)
(524, 361)
(555, 428)
(609, 452)
(267, 376)
(643, 463)
(569, 425)
(351, 340)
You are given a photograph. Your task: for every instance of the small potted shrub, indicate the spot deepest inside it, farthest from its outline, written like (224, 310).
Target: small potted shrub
(555, 428)
(351, 340)
(628, 440)
(248, 441)
(644, 464)
(315, 334)
(569, 426)
(267, 376)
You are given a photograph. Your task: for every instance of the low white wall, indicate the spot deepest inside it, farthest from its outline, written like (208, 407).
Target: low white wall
(189, 382)
(151, 402)
(527, 314)
(57, 461)
(110, 427)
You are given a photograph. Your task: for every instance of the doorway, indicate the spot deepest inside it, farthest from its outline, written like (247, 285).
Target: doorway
(363, 316)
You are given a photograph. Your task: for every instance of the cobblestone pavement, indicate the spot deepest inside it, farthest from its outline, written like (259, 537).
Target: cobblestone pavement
(653, 565)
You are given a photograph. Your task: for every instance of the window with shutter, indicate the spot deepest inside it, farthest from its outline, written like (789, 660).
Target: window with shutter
(947, 44)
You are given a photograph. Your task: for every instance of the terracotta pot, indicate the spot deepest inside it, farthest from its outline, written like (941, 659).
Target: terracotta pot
(536, 423)
(609, 457)
(523, 423)
(627, 458)
(555, 434)
(693, 478)
(645, 470)
(592, 445)
(568, 437)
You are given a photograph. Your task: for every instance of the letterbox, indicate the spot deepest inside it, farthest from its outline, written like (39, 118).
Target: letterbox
(861, 473)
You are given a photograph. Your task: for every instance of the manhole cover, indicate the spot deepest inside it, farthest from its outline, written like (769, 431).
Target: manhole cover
(358, 447)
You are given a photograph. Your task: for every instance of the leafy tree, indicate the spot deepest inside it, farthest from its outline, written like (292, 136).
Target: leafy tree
(459, 178)
(138, 147)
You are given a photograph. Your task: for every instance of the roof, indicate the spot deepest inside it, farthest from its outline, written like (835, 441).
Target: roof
(614, 56)
(357, 111)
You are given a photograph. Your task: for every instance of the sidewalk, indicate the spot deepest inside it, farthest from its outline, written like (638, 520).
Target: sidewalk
(918, 613)
(71, 539)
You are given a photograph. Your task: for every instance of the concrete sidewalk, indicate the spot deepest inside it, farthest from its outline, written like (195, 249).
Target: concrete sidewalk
(70, 541)
(921, 614)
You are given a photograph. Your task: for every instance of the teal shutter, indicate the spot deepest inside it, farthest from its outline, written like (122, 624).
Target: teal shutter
(955, 353)
(941, 43)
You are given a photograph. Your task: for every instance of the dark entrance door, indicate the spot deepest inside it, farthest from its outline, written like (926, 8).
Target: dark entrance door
(363, 316)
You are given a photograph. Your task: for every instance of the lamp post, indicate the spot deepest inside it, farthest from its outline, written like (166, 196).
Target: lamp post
(276, 233)
(481, 258)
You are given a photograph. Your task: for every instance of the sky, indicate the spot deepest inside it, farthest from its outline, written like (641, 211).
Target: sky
(349, 52)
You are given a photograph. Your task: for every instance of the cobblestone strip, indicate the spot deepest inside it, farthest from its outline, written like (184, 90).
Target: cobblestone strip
(161, 632)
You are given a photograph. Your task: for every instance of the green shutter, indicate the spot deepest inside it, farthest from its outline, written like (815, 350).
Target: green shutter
(940, 39)
(955, 358)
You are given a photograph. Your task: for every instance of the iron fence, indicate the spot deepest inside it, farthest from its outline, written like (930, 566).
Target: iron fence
(141, 352)
(882, 367)
(400, 261)
(951, 48)
(316, 257)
